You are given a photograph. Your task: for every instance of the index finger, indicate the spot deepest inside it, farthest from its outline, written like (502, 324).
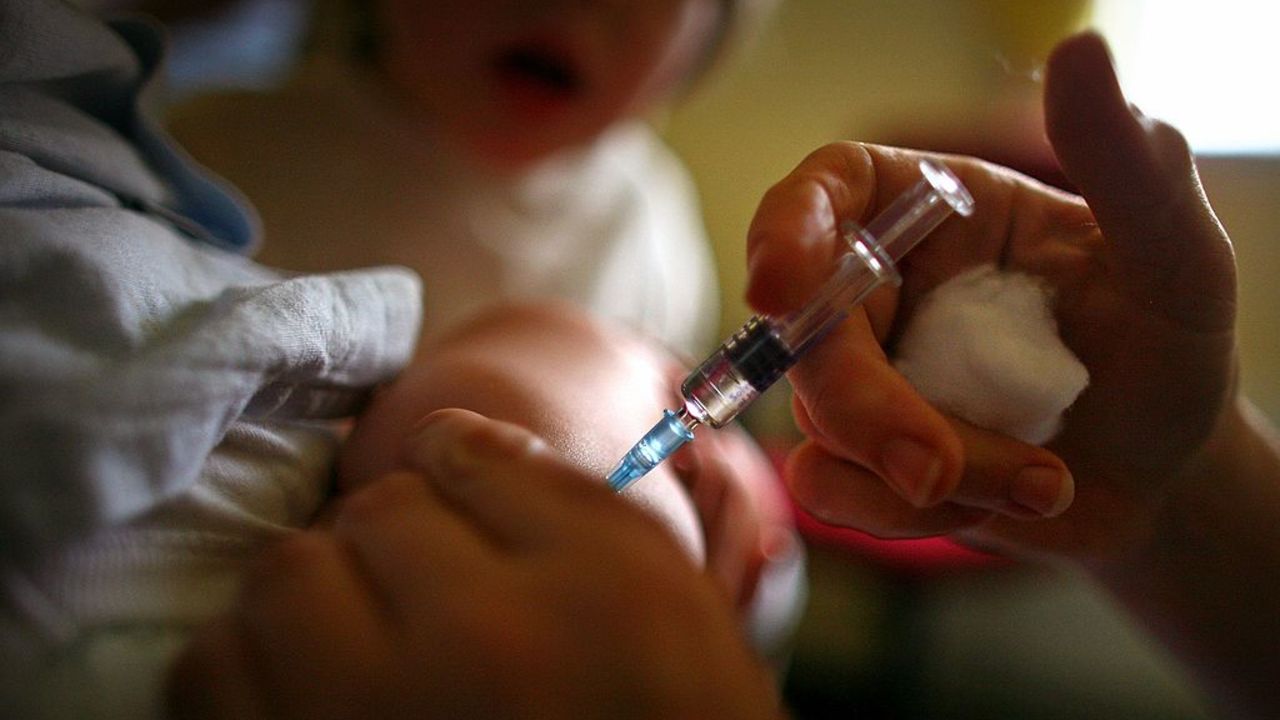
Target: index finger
(792, 238)
(506, 481)
(794, 235)
(858, 407)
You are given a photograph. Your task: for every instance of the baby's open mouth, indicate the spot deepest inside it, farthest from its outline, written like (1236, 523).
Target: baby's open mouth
(539, 68)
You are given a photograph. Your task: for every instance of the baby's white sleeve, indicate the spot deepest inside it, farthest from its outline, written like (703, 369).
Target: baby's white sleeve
(126, 351)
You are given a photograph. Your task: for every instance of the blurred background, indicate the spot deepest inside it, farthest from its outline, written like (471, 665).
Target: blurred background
(927, 630)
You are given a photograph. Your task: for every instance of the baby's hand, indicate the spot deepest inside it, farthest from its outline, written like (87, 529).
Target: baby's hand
(496, 580)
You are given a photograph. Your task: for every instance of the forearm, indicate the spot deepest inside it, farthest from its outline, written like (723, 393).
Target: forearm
(1209, 584)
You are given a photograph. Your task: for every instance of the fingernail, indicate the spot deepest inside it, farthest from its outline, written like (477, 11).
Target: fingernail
(1047, 491)
(914, 468)
(433, 444)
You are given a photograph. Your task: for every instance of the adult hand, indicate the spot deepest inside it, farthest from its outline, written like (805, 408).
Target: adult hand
(1145, 296)
(497, 581)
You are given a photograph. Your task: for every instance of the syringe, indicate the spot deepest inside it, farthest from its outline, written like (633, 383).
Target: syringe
(765, 347)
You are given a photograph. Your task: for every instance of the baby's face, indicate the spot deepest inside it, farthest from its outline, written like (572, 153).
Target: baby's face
(517, 80)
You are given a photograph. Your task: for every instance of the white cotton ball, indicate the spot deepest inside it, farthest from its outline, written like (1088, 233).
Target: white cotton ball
(984, 347)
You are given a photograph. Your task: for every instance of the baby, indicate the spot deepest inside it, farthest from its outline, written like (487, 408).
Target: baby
(496, 147)
(588, 390)
(168, 405)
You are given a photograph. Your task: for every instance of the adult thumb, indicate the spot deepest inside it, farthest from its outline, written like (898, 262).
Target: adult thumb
(1139, 179)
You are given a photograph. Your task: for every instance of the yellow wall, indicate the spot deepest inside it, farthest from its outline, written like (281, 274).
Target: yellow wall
(1245, 192)
(833, 69)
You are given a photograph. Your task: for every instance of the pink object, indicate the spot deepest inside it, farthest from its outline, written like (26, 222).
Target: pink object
(926, 556)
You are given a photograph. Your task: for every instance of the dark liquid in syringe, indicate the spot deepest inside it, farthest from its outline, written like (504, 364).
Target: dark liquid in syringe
(759, 354)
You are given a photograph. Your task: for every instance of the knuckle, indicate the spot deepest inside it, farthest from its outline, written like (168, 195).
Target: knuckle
(1169, 139)
(848, 155)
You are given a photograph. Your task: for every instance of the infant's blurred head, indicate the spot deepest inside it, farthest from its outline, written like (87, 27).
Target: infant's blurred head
(516, 81)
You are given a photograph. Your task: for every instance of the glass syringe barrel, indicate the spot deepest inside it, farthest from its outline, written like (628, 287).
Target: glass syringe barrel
(765, 347)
